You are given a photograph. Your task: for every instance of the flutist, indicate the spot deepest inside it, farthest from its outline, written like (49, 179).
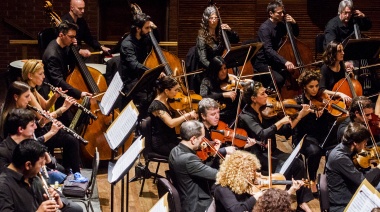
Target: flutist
(19, 189)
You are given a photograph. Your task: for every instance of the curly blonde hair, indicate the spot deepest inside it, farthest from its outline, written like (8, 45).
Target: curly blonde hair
(273, 199)
(238, 171)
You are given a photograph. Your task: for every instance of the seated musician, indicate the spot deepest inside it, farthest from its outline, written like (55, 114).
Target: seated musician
(333, 69)
(19, 95)
(261, 129)
(273, 199)
(316, 124)
(190, 175)
(211, 87)
(343, 178)
(164, 137)
(358, 116)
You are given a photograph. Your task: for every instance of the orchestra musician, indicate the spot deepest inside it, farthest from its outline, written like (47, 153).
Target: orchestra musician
(261, 129)
(189, 174)
(333, 69)
(341, 27)
(211, 87)
(164, 137)
(75, 15)
(271, 33)
(274, 199)
(316, 124)
(343, 178)
(18, 181)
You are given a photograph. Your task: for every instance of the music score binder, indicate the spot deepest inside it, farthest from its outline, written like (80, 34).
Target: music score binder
(122, 127)
(237, 54)
(111, 94)
(365, 198)
(365, 48)
(291, 157)
(116, 171)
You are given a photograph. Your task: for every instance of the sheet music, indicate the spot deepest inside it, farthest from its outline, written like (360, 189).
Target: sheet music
(162, 205)
(121, 127)
(111, 94)
(126, 161)
(292, 156)
(365, 199)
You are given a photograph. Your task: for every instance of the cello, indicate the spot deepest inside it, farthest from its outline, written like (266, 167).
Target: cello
(298, 53)
(91, 80)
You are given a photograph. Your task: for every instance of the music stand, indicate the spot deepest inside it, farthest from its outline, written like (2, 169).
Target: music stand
(365, 48)
(111, 95)
(236, 55)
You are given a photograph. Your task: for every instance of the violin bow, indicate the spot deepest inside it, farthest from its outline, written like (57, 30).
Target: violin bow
(369, 129)
(270, 162)
(242, 69)
(186, 85)
(236, 117)
(277, 91)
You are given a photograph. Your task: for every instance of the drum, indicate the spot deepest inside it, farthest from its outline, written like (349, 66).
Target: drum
(100, 67)
(14, 70)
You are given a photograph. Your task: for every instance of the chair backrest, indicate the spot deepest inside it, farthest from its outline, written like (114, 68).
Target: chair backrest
(174, 201)
(44, 37)
(146, 131)
(95, 167)
(319, 39)
(323, 192)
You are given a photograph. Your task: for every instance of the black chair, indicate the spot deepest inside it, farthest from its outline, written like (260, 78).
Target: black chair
(86, 200)
(149, 155)
(319, 39)
(44, 38)
(323, 193)
(174, 201)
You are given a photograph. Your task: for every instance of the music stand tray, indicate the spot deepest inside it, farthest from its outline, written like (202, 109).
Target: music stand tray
(365, 48)
(236, 55)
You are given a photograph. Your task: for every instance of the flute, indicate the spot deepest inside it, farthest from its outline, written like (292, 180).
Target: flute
(46, 188)
(87, 111)
(64, 127)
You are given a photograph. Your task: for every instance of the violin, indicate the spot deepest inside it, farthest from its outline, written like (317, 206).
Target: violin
(182, 102)
(207, 149)
(366, 157)
(234, 83)
(225, 134)
(273, 108)
(335, 107)
(278, 181)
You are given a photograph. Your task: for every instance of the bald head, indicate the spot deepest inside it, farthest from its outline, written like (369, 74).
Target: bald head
(77, 8)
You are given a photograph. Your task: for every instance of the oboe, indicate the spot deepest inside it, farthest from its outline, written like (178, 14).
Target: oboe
(87, 111)
(48, 117)
(46, 188)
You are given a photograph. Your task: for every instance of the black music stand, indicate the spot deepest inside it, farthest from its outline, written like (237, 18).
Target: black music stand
(365, 48)
(237, 55)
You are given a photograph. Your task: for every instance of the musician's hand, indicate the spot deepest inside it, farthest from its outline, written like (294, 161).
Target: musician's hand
(289, 65)
(217, 145)
(230, 94)
(105, 49)
(161, 75)
(85, 52)
(193, 115)
(67, 103)
(250, 142)
(285, 120)
(48, 205)
(349, 66)
(290, 19)
(47, 158)
(359, 14)
(84, 93)
(152, 25)
(345, 98)
(297, 184)
(53, 193)
(55, 127)
(305, 110)
(225, 26)
(230, 150)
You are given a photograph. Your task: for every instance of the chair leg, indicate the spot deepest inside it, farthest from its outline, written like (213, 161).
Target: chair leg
(143, 180)
(155, 176)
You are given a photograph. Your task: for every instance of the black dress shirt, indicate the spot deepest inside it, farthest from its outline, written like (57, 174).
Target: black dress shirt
(329, 77)
(343, 178)
(336, 31)
(190, 178)
(83, 32)
(227, 200)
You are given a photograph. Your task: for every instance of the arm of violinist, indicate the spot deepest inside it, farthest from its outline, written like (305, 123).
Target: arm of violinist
(377, 106)
(345, 98)
(168, 120)
(305, 110)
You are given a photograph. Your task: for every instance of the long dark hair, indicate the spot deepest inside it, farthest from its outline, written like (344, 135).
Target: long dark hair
(203, 31)
(216, 64)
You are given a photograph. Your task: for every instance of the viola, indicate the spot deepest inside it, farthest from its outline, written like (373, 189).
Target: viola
(207, 149)
(233, 83)
(182, 102)
(225, 134)
(273, 108)
(366, 157)
(335, 107)
(278, 181)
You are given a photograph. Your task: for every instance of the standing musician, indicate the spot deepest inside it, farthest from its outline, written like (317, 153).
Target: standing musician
(18, 191)
(75, 16)
(341, 27)
(333, 69)
(316, 124)
(164, 137)
(271, 33)
(190, 175)
(261, 129)
(343, 178)
(133, 52)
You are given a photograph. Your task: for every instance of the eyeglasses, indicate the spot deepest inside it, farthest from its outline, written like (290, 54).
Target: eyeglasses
(71, 36)
(214, 18)
(280, 12)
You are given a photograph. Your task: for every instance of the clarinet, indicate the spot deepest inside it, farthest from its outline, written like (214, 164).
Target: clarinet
(87, 111)
(46, 189)
(48, 117)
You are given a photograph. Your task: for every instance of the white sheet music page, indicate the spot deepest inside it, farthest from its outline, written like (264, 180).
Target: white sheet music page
(127, 159)
(292, 156)
(365, 199)
(162, 204)
(123, 124)
(111, 94)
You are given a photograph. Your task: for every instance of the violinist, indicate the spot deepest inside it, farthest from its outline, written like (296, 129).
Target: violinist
(271, 33)
(262, 129)
(333, 69)
(211, 87)
(343, 178)
(341, 27)
(316, 124)
(164, 137)
(356, 115)
(190, 175)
